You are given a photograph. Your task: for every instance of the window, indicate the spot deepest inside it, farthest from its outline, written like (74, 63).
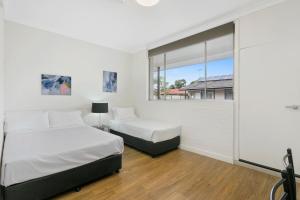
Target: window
(228, 94)
(210, 94)
(198, 67)
(183, 66)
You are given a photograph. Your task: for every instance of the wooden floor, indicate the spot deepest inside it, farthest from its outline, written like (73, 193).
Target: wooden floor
(178, 175)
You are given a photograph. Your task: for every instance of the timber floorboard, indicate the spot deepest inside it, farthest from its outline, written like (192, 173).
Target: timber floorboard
(177, 175)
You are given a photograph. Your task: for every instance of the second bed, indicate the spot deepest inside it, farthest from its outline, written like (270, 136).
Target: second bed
(149, 136)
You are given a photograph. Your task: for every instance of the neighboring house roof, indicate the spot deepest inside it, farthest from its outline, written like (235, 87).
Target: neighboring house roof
(213, 82)
(173, 92)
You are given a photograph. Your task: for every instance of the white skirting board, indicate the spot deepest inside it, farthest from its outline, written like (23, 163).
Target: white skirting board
(210, 154)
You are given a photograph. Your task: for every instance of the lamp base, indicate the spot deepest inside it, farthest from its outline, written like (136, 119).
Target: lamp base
(103, 128)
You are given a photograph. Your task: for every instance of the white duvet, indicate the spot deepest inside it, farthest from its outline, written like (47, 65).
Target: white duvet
(150, 130)
(30, 155)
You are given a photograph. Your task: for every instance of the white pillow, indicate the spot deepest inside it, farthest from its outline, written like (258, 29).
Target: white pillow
(60, 119)
(124, 113)
(26, 120)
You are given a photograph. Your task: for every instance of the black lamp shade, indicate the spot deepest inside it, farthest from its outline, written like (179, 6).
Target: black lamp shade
(100, 108)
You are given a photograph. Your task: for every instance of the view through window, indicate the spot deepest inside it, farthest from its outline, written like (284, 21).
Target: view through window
(199, 71)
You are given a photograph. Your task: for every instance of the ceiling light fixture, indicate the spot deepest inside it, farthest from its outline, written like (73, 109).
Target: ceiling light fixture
(147, 2)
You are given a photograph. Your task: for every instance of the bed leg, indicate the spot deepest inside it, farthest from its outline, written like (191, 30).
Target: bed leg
(77, 189)
(117, 171)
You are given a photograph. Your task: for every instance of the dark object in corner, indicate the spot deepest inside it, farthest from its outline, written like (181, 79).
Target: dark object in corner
(288, 180)
(54, 184)
(153, 149)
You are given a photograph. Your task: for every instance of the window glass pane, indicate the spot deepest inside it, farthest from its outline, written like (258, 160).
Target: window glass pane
(184, 67)
(210, 94)
(228, 94)
(220, 66)
(200, 71)
(157, 77)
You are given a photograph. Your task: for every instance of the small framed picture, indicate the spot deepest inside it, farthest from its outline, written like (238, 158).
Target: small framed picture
(110, 80)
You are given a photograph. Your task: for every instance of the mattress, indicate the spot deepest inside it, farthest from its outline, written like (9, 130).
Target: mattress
(149, 130)
(30, 155)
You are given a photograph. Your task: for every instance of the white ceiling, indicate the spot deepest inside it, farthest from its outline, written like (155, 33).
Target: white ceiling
(120, 24)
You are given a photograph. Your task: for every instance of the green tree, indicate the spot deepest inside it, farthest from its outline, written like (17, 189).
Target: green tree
(180, 83)
(193, 82)
(172, 86)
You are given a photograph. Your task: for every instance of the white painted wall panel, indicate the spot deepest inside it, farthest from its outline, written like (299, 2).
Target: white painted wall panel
(1, 75)
(269, 25)
(31, 52)
(269, 81)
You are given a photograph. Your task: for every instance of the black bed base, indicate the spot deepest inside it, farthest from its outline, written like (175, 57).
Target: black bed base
(49, 186)
(153, 149)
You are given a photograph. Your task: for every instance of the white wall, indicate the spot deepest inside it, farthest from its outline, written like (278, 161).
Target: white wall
(207, 125)
(1, 75)
(212, 128)
(31, 52)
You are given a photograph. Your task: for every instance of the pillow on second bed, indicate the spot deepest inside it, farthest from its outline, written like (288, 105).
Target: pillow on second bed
(124, 113)
(60, 119)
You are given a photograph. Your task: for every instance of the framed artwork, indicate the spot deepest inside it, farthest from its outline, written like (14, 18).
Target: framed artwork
(110, 80)
(56, 84)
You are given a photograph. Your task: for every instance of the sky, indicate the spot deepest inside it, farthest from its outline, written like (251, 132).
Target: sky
(193, 72)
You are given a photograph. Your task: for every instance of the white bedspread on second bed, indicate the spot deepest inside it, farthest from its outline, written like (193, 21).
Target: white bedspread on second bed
(36, 154)
(150, 130)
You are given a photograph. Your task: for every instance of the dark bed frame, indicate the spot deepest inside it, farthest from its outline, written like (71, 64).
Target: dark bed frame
(52, 185)
(153, 149)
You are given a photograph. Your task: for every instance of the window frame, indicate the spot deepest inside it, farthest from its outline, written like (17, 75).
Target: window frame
(175, 46)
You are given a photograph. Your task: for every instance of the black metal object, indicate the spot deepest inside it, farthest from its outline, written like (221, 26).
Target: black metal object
(153, 149)
(288, 180)
(264, 166)
(259, 165)
(49, 186)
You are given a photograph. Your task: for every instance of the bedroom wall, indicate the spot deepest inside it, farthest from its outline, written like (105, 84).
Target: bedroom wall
(211, 128)
(1, 74)
(31, 52)
(207, 126)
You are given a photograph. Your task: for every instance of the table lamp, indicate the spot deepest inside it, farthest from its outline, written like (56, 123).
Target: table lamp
(99, 108)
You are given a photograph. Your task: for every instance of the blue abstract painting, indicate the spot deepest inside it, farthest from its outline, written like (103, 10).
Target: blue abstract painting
(56, 85)
(110, 80)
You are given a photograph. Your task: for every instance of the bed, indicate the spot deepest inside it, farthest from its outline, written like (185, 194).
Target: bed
(41, 162)
(149, 136)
